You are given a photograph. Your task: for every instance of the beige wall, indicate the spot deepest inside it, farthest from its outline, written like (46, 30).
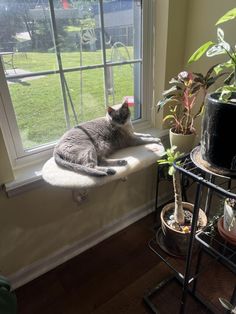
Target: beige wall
(170, 33)
(202, 16)
(6, 173)
(40, 222)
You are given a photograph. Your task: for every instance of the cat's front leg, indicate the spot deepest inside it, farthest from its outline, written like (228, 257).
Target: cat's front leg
(113, 162)
(136, 140)
(142, 134)
(106, 170)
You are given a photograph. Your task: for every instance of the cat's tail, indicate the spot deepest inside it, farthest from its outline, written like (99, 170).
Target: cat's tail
(79, 168)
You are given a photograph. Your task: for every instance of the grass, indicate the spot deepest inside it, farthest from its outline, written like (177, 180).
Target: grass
(38, 103)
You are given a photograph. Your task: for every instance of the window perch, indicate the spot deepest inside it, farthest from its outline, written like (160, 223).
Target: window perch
(138, 157)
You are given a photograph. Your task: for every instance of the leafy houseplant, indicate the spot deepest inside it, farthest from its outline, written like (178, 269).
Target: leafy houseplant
(220, 109)
(185, 89)
(176, 217)
(8, 302)
(227, 223)
(230, 216)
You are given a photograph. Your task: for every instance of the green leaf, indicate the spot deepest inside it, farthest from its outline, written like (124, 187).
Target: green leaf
(171, 156)
(226, 92)
(162, 161)
(174, 81)
(171, 170)
(200, 51)
(218, 49)
(174, 90)
(161, 103)
(229, 78)
(196, 89)
(173, 109)
(212, 80)
(199, 75)
(212, 68)
(230, 15)
(220, 34)
(169, 116)
(220, 67)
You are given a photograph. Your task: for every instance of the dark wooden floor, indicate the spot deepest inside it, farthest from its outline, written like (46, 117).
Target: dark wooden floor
(112, 277)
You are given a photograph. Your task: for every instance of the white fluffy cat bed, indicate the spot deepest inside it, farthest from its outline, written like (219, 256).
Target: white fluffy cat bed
(138, 157)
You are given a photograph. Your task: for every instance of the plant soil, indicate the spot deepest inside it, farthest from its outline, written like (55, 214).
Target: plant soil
(186, 227)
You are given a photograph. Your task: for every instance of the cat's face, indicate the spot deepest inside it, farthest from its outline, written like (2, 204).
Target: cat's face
(119, 116)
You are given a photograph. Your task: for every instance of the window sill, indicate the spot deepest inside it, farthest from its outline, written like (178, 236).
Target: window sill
(29, 177)
(25, 179)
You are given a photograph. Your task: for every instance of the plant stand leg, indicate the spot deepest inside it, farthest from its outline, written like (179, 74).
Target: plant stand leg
(197, 269)
(157, 193)
(150, 293)
(190, 248)
(233, 298)
(209, 195)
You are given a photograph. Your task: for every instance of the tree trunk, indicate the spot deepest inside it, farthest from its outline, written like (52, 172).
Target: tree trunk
(179, 212)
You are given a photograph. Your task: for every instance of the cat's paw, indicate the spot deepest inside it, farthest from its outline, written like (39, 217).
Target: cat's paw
(110, 171)
(122, 162)
(156, 140)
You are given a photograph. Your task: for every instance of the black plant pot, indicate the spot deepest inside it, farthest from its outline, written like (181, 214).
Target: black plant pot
(218, 146)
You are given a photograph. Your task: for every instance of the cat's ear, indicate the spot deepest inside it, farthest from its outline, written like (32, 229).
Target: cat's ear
(125, 103)
(110, 110)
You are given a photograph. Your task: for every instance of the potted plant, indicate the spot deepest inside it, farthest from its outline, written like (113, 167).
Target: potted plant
(217, 151)
(176, 217)
(227, 223)
(8, 303)
(185, 89)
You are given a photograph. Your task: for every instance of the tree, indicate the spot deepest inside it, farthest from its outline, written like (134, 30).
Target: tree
(171, 156)
(10, 23)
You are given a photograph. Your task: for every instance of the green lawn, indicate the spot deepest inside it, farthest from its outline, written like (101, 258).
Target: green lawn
(38, 103)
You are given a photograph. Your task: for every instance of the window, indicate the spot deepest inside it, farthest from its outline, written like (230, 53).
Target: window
(63, 62)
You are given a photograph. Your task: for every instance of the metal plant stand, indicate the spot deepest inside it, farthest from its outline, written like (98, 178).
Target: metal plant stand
(208, 240)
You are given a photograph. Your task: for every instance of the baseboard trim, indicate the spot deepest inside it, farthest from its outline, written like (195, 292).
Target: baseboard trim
(59, 257)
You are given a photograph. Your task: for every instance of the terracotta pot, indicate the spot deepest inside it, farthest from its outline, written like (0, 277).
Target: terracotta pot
(184, 143)
(177, 241)
(218, 128)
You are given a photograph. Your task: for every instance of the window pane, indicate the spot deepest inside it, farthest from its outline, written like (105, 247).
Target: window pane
(39, 109)
(121, 84)
(80, 41)
(122, 21)
(25, 29)
(87, 92)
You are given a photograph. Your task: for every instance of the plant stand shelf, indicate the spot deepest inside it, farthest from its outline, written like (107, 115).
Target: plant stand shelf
(207, 240)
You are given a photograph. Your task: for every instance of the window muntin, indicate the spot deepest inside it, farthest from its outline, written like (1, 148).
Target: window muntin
(39, 94)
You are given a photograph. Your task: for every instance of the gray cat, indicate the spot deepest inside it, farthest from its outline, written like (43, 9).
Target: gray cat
(85, 148)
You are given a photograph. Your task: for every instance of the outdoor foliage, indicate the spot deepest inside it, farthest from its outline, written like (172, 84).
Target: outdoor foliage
(38, 103)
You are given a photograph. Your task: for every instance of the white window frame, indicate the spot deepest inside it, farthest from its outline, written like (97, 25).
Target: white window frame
(21, 158)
